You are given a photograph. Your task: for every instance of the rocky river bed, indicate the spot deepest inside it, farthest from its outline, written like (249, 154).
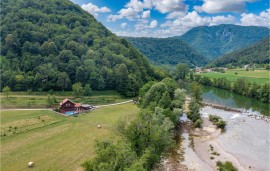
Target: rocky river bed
(245, 142)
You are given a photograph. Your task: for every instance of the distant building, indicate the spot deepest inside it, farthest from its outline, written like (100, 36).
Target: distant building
(209, 70)
(198, 69)
(69, 107)
(246, 66)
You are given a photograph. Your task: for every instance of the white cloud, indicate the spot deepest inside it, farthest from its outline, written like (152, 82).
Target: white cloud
(94, 10)
(176, 26)
(173, 15)
(192, 19)
(153, 24)
(144, 26)
(146, 14)
(218, 6)
(128, 13)
(123, 25)
(166, 6)
(251, 19)
(133, 8)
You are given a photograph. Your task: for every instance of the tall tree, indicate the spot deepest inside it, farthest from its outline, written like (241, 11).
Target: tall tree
(63, 80)
(182, 70)
(6, 90)
(121, 75)
(77, 89)
(87, 90)
(196, 92)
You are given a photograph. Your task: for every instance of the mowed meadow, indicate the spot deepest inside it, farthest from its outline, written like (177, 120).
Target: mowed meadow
(55, 142)
(258, 76)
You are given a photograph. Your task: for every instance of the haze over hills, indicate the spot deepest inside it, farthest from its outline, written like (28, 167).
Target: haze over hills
(257, 53)
(215, 41)
(167, 51)
(54, 43)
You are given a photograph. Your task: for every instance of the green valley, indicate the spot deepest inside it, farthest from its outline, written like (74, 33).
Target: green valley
(168, 51)
(258, 76)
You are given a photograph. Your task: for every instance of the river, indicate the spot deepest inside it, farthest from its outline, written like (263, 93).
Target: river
(245, 141)
(233, 100)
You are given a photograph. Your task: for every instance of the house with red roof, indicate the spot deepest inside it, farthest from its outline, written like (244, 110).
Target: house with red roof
(69, 107)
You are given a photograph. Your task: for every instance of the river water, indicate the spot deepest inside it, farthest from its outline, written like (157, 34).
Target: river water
(246, 139)
(233, 100)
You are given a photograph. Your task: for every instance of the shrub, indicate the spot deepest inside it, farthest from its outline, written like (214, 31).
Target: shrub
(87, 90)
(221, 124)
(198, 123)
(218, 121)
(227, 166)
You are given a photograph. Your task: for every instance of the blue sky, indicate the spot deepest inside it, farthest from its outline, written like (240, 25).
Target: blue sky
(165, 18)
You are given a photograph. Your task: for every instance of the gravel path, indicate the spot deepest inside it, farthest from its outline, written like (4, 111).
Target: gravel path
(98, 106)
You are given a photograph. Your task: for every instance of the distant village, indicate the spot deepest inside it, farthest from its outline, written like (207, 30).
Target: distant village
(204, 70)
(217, 69)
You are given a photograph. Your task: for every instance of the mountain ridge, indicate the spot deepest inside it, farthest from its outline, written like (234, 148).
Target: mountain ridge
(214, 41)
(257, 53)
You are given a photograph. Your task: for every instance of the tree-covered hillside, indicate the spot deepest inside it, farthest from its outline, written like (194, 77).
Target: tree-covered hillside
(51, 44)
(167, 51)
(257, 53)
(215, 41)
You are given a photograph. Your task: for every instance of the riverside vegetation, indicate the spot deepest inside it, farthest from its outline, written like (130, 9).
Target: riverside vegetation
(147, 137)
(241, 85)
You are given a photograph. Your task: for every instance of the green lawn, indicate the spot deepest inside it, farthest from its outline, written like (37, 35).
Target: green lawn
(55, 142)
(38, 99)
(258, 76)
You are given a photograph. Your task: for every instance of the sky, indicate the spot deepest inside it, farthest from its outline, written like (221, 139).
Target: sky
(166, 18)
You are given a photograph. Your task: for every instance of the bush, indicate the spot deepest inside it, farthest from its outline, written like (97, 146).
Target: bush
(198, 123)
(218, 121)
(227, 166)
(87, 90)
(221, 124)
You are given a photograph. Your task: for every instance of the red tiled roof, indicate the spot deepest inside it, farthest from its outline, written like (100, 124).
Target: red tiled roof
(77, 104)
(64, 101)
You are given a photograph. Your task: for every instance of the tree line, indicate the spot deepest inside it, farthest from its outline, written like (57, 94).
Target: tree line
(143, 140)
(240, 86)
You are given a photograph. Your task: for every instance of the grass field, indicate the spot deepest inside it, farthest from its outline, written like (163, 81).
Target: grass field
(258, 76)
(39, 99)
(55, 142)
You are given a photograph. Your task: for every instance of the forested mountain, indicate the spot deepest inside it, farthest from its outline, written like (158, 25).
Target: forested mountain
(51, 44)
(167, 51)
(214, 41)
(257, 53)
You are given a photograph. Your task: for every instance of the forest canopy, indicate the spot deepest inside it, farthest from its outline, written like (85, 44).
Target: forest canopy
(53, 44)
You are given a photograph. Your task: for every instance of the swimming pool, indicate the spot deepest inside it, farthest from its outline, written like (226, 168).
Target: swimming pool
(70, 113)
